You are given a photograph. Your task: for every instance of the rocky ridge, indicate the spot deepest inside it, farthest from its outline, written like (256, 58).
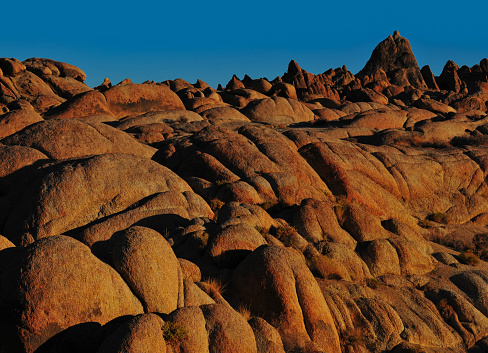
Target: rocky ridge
(311, 213)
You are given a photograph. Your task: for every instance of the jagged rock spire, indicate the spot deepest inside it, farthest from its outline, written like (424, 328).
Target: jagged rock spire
(395, 57)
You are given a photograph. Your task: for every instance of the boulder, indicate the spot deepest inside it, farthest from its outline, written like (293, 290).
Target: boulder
(11, 67)
(279, 287)
(268, 339)
(317, 222)
(222, 115)
(147, 263)
(162, 211)
(32, 88)
(192, 321)
(14, 158)
(135, 99)
(74, 193)
(15, 120)
(57, 283)
(57, 68)
(82, 105)
(234, 84)
(166, 116)
(233, 243)
(228, 331)
(277, 110)
(70, 138)
(140, 334)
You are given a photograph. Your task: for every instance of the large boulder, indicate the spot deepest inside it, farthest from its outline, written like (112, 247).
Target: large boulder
(16, 120)
(140, 334)
(147, 263)
(14, 158)
(278, 111)
(191, 320)
(135, 99)
(279, 287)
(74, 193)
(70, 138)
(228, 331)
(268, 339)
(80, 106)
(57, 283)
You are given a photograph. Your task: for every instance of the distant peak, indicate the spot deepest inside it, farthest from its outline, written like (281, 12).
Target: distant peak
(395, 57)
(294, 68)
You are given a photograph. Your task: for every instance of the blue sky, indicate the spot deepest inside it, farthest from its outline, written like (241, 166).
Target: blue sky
(211, 40)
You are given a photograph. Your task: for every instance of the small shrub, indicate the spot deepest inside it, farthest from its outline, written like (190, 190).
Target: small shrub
(214, 288)
(173, 333)
(215, 204)
(203, 237)
(245, 312)
(480, 242)
(438, 217)
(340, 210)
(424, 223)
(287, 235)
(353, 337)
(267, 205)
(468, 258)
(372, 283)
(322, 266)
(222, 182)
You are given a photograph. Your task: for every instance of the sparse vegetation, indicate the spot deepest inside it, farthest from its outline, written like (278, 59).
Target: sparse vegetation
(480, 242)
(468, 258)
(288, 236)
(214, 288)
(244, 311)
(353, 337)
(215, 204)
(267, 205)
(222, 182)
(372, 283)
(340, 210)
(321, 265)
(438, 217)
(173, 333)
(203, 237)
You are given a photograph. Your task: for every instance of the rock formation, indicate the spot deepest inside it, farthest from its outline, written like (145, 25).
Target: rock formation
(325, 212)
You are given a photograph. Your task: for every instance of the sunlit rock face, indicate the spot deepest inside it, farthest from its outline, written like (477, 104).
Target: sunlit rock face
(329, 212)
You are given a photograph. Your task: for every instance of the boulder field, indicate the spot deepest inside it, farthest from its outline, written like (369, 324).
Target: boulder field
(325, 213)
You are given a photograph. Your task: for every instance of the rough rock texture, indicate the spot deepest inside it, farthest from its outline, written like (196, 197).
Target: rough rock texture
(140, 334)
(227, 330)
(280, 288)
(148, 264)
(57, 283)
(327, 212)
(395, 57)
(62, 139)
(75, 193)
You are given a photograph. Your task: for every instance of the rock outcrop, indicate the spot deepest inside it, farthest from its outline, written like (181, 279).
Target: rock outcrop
(326, 212)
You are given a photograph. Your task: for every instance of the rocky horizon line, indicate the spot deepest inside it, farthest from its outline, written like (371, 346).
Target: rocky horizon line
(310, 214)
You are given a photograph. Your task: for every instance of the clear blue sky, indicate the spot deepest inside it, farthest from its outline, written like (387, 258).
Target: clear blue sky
(211, 40)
